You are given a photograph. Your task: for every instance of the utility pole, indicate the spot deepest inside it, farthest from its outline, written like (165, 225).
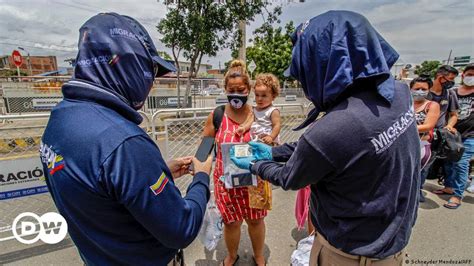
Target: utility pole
(242, 26)
(29, 60)
(449, 57)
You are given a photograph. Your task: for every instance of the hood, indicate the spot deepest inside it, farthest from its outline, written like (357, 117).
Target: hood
(116, 53)
(332, 51)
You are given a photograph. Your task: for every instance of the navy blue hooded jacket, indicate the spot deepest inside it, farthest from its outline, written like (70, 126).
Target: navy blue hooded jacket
(106, 176)
(362, 158)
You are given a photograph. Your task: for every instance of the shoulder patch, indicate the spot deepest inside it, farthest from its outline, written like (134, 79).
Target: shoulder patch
(160, 184)
(53, 161)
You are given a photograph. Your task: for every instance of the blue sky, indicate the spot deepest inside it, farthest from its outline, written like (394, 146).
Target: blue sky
(418, 29)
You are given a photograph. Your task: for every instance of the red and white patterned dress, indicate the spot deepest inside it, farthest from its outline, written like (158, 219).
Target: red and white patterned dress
(233, 203)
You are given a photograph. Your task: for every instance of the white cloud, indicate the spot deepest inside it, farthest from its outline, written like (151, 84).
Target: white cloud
(425, 29)
(419, 30)
(51, 27)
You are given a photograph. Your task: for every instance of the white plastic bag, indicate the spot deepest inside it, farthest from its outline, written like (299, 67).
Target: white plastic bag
(300, 257)
(212, 226)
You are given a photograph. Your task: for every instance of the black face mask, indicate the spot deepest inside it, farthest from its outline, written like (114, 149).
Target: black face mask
(447, 85)
(237, 100)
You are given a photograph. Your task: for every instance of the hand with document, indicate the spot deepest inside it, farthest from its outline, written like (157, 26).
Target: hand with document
(243, 155)
(233, 175)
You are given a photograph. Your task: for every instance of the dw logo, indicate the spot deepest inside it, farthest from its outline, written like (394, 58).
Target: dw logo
(52, 228)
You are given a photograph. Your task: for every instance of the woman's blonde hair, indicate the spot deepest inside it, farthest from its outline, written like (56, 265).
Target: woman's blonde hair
(270, 81)
(237, 69)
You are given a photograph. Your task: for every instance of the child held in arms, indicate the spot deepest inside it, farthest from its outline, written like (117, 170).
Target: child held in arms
(265, 124)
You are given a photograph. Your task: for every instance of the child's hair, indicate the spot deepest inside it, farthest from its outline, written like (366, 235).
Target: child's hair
(270, 81)
(237, 69)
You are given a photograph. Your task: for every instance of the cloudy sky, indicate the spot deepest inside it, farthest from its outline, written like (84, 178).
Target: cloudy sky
(418, 29)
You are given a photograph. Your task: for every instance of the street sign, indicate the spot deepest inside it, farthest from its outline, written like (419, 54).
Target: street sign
(17, 60)
(160, 102)
(252, 66)
(45, 103)
(461, 61)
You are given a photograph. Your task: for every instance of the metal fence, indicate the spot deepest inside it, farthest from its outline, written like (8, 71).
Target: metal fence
(179, 137)
(40, 94)
(176, 131)
(20, 134)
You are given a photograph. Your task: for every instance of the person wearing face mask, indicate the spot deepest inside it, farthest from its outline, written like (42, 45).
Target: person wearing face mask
(447, 100)
(426, 114)
(362, 158)
(457, 172)
(233, 203)
(105, 174)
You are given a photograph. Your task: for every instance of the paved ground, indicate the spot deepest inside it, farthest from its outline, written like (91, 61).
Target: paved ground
(439, 234)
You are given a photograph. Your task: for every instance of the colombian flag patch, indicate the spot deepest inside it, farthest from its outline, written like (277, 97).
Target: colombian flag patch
(158, 187)
(56, 165)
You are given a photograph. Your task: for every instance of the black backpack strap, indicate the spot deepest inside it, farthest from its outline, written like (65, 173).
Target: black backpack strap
(217, 117)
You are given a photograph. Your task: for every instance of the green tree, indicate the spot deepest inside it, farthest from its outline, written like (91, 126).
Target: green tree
(271, 49)
(428, 68)
(11, 73)
(194, 28)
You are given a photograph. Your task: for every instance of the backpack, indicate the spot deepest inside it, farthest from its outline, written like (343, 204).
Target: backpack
(449, 146)
(217, 117)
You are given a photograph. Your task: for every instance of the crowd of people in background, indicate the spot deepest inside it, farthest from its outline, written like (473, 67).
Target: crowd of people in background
(438, 105)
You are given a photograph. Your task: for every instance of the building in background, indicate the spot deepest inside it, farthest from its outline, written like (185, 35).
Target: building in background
(39, 64)
(185, 67)
(216, 73)
(403, 71)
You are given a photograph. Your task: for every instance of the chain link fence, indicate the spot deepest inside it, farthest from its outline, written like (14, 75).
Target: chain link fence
(41, 94)
(21, 134)
(182, 136)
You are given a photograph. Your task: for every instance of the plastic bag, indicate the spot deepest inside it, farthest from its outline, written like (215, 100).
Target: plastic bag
(302, 206)
(300, 257)
(260, 197)
(212, 226)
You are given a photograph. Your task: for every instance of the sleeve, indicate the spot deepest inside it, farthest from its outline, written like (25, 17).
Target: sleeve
(307, 165)
(283, 152)
(453, 101)
(137, 177)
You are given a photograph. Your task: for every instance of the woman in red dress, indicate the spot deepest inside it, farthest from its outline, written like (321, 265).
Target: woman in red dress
(233, 203)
